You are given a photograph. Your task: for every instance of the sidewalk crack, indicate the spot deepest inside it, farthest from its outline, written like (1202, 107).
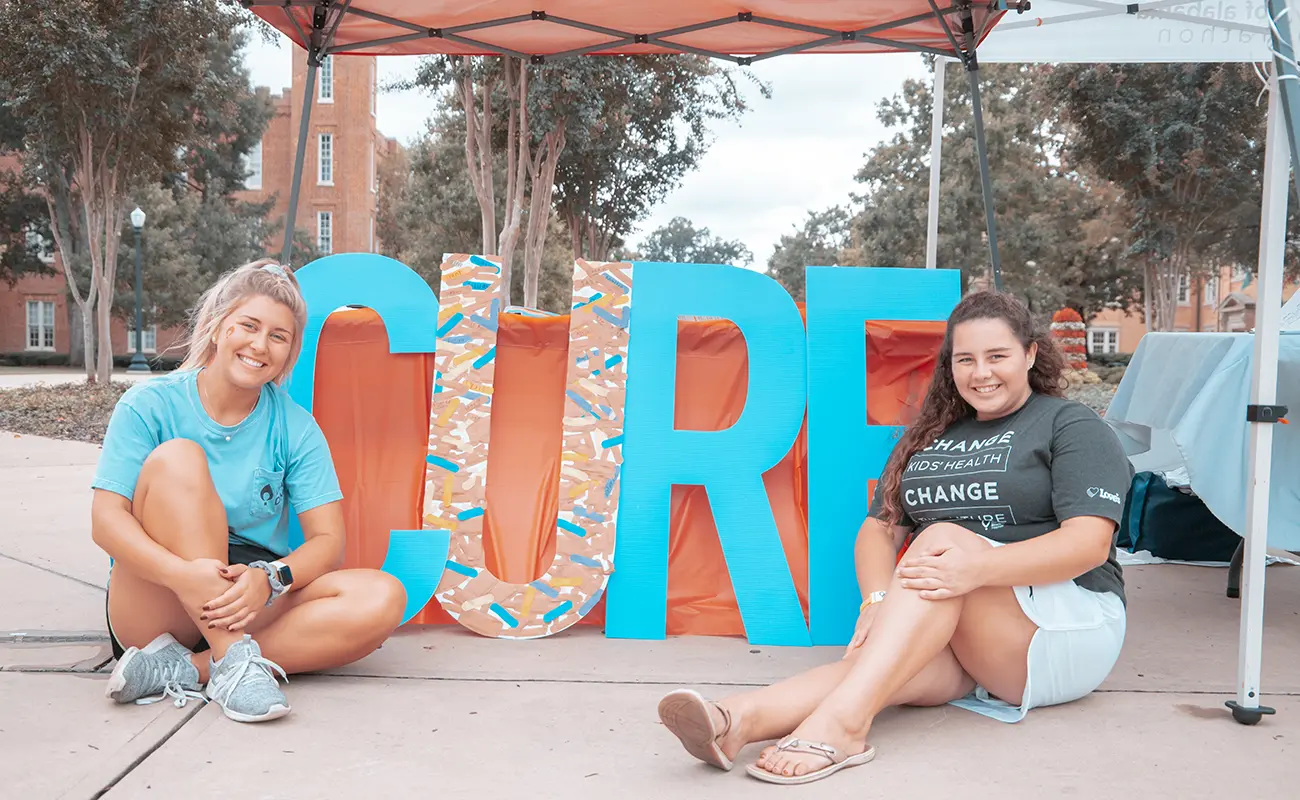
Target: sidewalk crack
(52, 571)
(189, 715)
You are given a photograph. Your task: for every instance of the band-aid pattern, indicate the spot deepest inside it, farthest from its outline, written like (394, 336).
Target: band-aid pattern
(591, 457)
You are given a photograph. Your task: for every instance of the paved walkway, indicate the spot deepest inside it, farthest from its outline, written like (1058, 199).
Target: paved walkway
(18, 377)
(441, 712)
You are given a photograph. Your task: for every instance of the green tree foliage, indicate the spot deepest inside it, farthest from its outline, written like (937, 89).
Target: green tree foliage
(647, 125)
(682, 242)
(1185, 144)
(824, 235)
(1060, 236)
(106, 94)
(196, 228)
(428, 208)
(24, 219)
(609, 137)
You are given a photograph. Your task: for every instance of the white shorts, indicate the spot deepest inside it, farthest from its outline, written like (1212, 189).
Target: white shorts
(1079, 637)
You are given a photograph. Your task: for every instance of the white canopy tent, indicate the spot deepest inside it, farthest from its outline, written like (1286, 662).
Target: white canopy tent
(1175, 31)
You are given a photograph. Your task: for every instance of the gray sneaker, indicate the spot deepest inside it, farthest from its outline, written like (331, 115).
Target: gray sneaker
(243, 684)
(162, 669)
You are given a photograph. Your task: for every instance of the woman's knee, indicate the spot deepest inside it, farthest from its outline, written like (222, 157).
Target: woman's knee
(949, 534)
(375, 599)
(176, 460)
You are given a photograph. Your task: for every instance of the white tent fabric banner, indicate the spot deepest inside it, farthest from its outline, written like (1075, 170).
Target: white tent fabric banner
(1100, 31)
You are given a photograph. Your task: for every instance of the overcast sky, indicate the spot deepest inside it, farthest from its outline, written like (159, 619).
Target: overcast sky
(793, 153)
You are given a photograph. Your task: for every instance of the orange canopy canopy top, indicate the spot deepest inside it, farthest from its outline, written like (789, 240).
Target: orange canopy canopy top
(545, 29)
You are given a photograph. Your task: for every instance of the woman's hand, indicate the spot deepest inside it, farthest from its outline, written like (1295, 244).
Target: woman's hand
(863, 628)
(239, 605)
(195, 581)
(941, 572)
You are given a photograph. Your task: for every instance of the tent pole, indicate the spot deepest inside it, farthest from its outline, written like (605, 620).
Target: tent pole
(1285, 51)
(936, 153)
(981, 148)
(1246, 709)
(304, 130)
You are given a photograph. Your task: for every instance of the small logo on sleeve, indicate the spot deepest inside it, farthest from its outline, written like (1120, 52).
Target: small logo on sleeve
(1105, 495)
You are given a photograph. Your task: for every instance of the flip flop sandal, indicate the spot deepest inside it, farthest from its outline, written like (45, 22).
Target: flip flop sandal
(837, 761)
(686, 714)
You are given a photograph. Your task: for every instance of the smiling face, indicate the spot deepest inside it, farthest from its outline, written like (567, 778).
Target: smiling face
(254, 342)
(991, 367)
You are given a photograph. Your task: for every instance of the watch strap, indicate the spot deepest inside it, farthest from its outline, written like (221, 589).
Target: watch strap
(273, 577)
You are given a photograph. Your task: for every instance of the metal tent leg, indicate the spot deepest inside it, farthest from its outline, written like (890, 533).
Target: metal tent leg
(304, 129)
(1246, 708)
(981, 148)
(936, 153)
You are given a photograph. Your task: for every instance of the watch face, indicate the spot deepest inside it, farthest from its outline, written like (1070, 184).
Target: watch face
(286, 575)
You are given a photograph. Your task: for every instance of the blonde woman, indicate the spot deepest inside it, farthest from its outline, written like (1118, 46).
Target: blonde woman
(199, 473)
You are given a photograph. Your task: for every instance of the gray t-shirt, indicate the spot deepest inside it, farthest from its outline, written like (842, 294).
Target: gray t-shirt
(1020, 476)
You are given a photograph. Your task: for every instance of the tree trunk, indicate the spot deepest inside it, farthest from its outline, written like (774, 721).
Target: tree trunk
(76, 332)
(517, 157)
(104, 312)
(575, 233)
(88, 340)
(478, 152)
(542, 175)
(60, 229)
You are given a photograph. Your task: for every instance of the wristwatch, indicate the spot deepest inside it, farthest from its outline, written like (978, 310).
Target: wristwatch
(872, 599)
(278, 574)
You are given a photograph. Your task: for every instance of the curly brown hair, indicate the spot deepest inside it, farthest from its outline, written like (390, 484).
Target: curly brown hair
(943, 404)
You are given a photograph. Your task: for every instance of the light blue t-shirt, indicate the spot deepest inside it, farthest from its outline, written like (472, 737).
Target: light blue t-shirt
(275, 459)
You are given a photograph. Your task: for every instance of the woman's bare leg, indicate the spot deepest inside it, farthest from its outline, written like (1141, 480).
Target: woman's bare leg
(989, 636)
(178, 507)
(772, 712)
(335, 620)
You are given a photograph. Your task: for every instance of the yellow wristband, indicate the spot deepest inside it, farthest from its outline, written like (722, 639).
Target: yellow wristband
(872, 599)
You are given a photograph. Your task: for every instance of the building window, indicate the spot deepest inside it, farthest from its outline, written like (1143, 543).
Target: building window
(374, 179)
(325, 159)
(40, 324)
(1212, 292)
(148, 337)
(325, 232)
(372, 235)
(1103, 340)
(253, 166)
(1184, 288)
(325, 77)
(374, 87)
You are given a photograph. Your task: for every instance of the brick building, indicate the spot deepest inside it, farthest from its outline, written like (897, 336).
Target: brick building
(1224, 303)
(336, 207)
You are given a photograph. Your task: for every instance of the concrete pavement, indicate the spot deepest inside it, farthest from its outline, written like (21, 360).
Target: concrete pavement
(439, 711)
(19, 377)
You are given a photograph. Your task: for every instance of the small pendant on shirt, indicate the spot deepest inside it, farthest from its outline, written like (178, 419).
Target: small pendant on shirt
(227, 438)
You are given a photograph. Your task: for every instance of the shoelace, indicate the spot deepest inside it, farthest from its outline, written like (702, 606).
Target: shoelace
(175, 690)
(266, 667)
(173, 687)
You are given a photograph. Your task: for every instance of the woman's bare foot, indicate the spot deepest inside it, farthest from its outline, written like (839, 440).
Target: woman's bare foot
(822, 728)
(710, 731)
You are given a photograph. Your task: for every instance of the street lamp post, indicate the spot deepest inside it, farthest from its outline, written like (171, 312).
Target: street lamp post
(138, 362)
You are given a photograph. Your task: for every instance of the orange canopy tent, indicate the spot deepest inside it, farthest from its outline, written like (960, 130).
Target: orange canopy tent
(547, 30)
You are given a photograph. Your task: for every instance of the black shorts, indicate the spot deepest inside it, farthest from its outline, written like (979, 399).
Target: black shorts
(239, 553)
